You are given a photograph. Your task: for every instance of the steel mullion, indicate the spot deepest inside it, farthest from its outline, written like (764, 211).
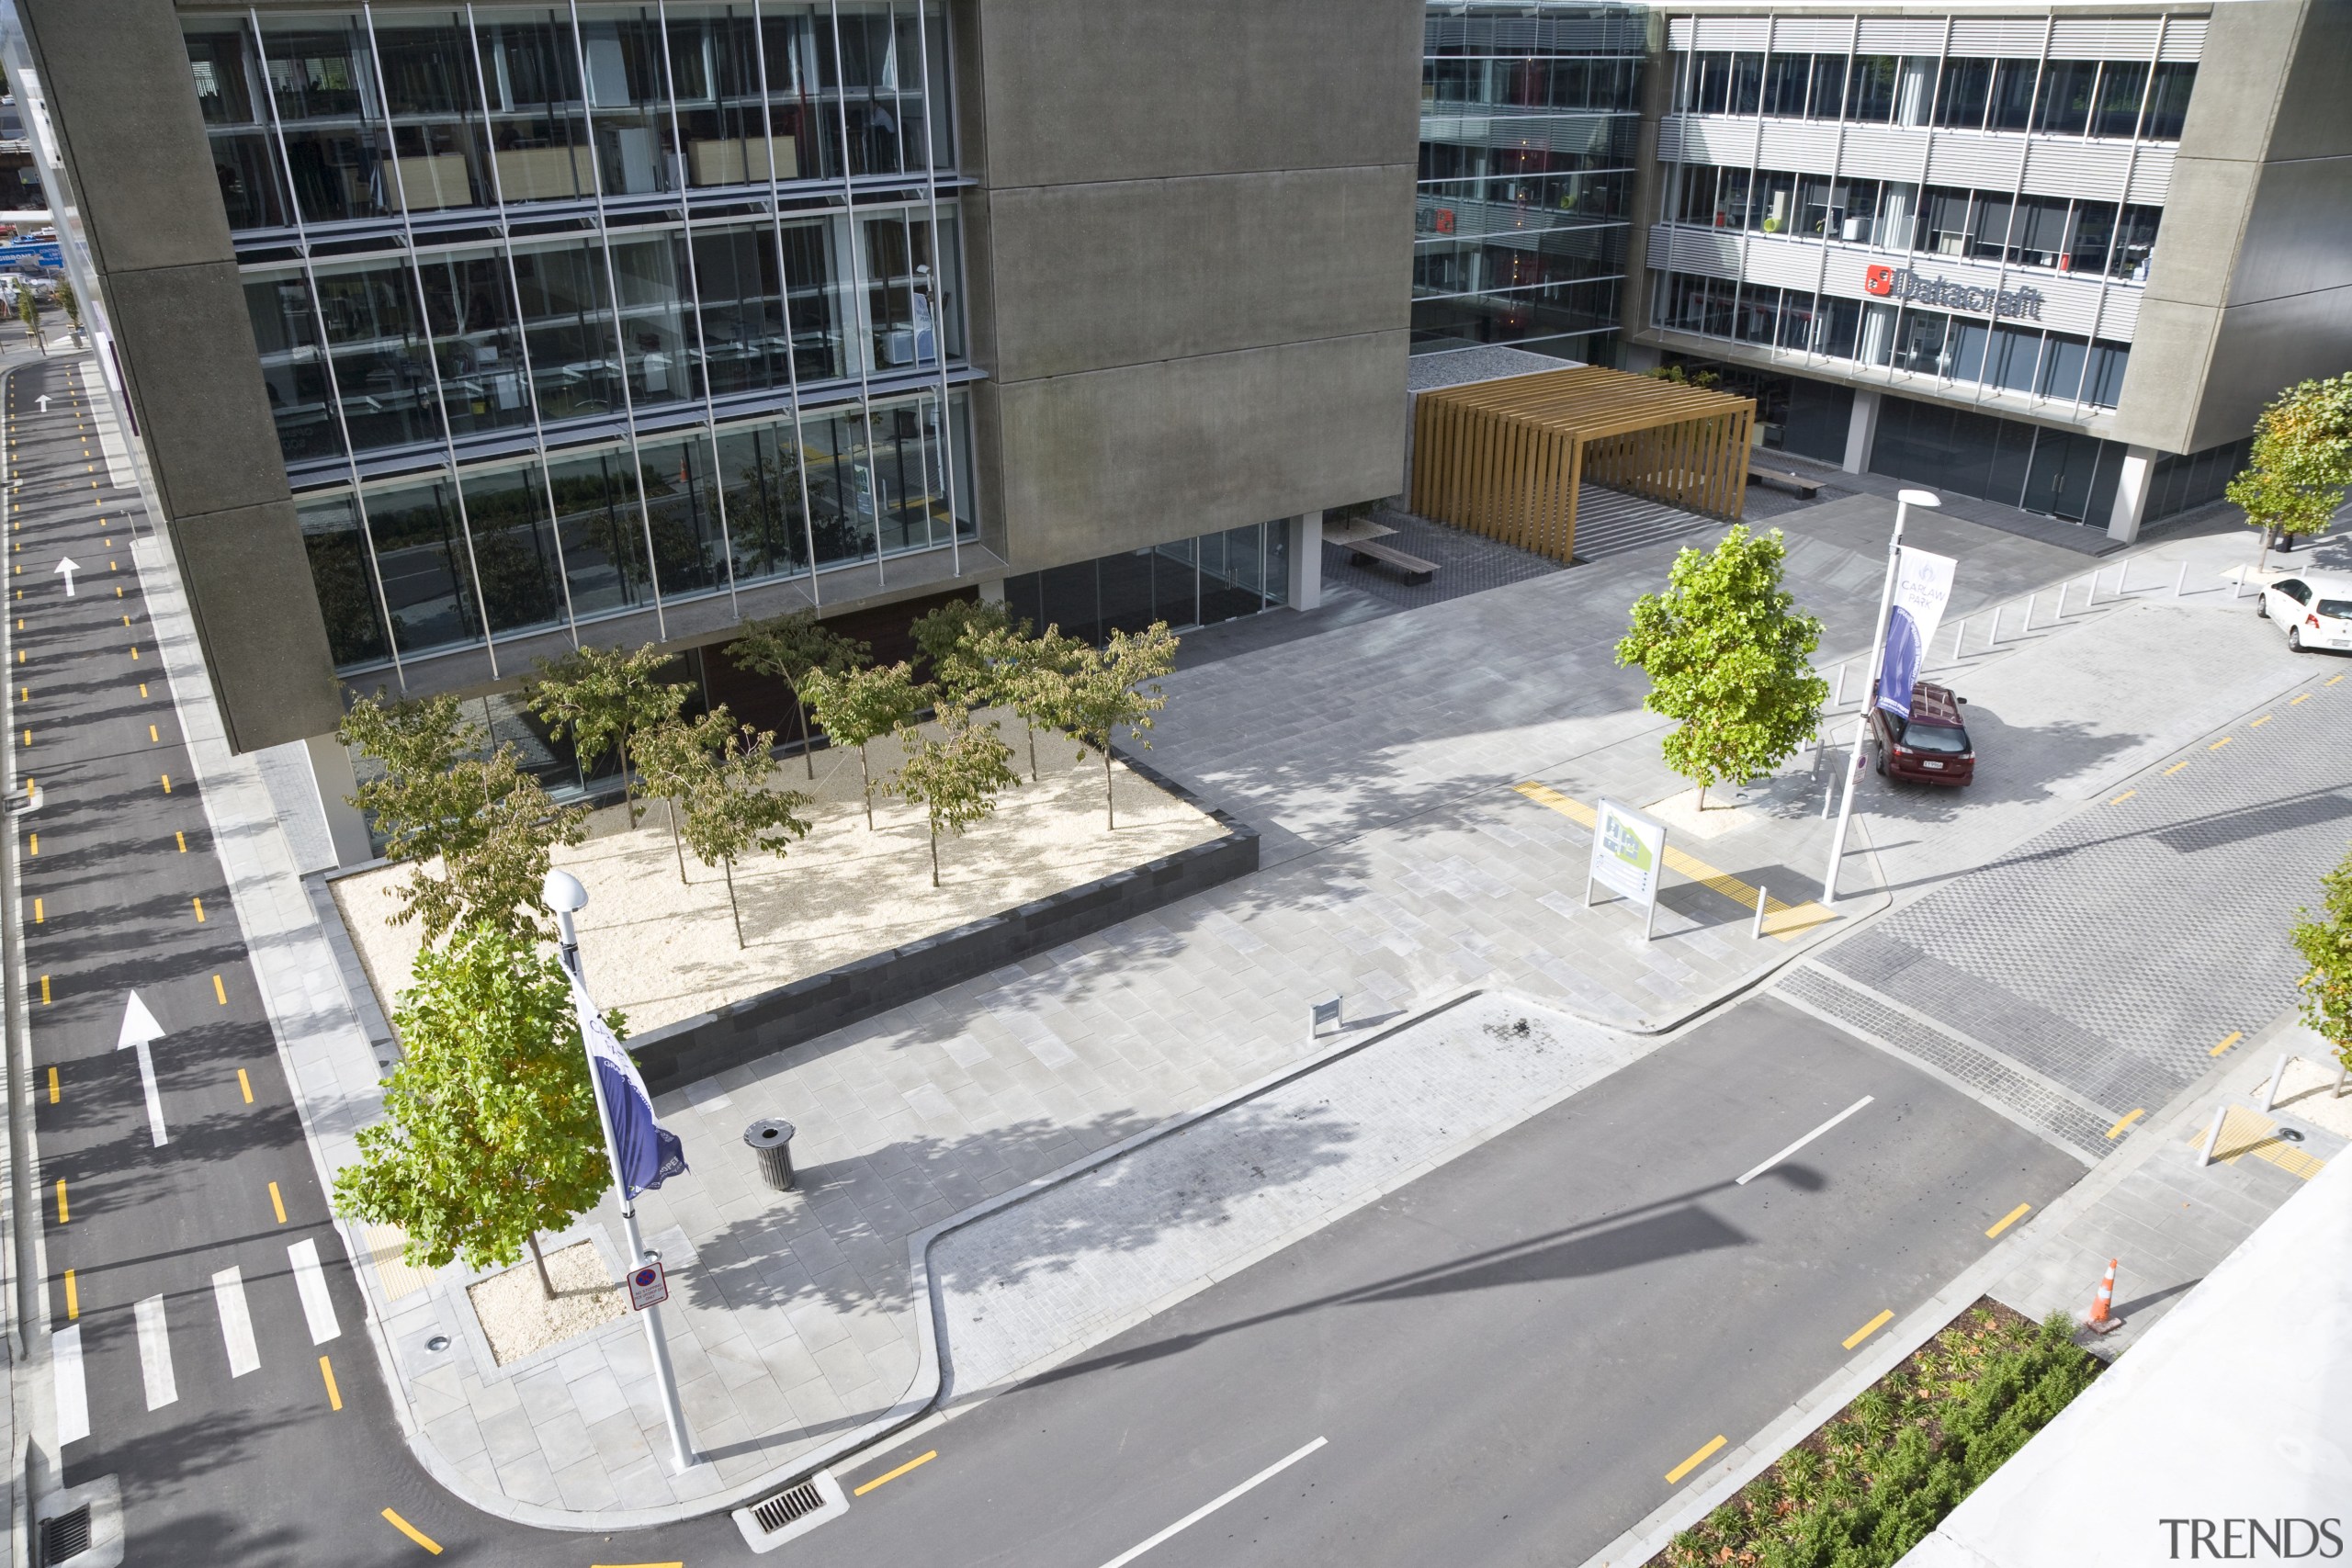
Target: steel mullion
(860, 303)
(931, 109)
(783, 301)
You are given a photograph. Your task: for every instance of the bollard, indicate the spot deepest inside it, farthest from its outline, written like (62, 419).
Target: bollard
(1839, 700)
(2342, 1071)
(1756, 932)
(2180, 580)
(2028, 611)
(2278, 1076)
(1959, 642)
(2213, 1134)
(2122, 581)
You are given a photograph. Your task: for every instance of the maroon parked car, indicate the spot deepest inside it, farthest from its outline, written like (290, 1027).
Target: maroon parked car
(1931, 745)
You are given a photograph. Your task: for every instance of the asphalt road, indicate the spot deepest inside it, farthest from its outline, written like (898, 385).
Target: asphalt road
(1504, 1359)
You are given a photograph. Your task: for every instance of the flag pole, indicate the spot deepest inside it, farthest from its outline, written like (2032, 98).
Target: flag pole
(1904, 502)
(566, 896)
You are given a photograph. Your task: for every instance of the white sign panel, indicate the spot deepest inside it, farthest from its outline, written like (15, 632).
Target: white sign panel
(648, 1287)
(1628, 853)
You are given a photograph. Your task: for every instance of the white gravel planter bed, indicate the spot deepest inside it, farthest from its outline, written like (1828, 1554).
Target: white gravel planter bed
(661, 952)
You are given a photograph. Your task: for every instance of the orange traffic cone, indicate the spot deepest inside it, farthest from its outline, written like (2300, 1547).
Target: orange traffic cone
(2102, 1319)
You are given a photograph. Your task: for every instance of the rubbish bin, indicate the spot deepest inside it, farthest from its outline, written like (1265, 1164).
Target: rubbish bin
(773, 1142)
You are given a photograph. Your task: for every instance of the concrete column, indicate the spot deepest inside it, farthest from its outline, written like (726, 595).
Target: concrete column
(2132, 493)
(1640, 359)
(331, 774)
(1307, 561)
(993, 590)
(1861, 431)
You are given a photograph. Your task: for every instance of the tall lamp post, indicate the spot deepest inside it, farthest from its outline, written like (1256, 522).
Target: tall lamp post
(567, 898)
(1904, 502)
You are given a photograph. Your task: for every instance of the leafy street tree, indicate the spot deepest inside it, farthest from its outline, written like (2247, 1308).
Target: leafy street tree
(1728, 656)
(28, 312)
(674, 759)
(603, 697)
(2327, 945)
(2301, 462)
(70, 302)
(956, 778)
(1115, 684)
(857, 706)
(954, 637)
(787, 648)
(445, 795)
(490, 1131)
(731, 810)
(1030, 675)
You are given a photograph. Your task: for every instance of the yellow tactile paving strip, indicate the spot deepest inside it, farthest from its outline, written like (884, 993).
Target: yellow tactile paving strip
(399, 1280)
(2246, 1132)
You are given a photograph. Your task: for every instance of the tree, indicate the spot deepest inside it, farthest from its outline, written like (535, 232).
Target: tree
(2327, 945)
(445, 795)
(604, 696)
(954, 637)
(787, 648)
(673, 757)
(1030, 672)
(70, 302)
(1115, 684)
(955, 779)
(1728, 656)
(731, 810)
(2296, 474)
(28, 312)
(489, 1133)
(856, 707)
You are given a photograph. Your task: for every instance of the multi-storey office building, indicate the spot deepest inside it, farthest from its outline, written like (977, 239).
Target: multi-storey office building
(1530, 116)
(2057, 258)
(452, 336)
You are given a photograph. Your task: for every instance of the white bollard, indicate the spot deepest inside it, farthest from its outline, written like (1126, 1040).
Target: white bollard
(1959, 642)
(2278, 1076)
(1839, 700)
(2028, 610)
(2180, 580)
(1993, 634)
(2213, 1134)
(1756, 932)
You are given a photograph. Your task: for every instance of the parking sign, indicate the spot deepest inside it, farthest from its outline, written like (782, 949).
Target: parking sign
(648, 1287)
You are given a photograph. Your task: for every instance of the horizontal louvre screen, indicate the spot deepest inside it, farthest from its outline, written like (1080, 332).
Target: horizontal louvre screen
(1991, 162)
(1734, 32)
(1799, 146)
(2185, 39)
(1678, 33)
(2151, 176)
(1900, 35)
(1982, 36)
(2111, 38)
(1719, 140)
(1813, 35)
(1786, 264)
(1712, 252)
(2093, 170)
(2118, 318)
(1883, 153)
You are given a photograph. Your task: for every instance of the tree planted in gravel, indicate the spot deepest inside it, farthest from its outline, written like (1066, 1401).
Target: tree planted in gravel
(731, 810)
(787, 648)
(955, 637)
(2300, 463)
(674, 760)
(489, 1133)
(1029, 675)
(445, 795)
(1730, 659)
(859, 707)
(1118, 683)
(603, 697)
(28, 312)
(2325, 943)
(954, 777)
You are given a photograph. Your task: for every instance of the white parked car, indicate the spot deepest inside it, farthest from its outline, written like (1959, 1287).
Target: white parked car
(2314, 608)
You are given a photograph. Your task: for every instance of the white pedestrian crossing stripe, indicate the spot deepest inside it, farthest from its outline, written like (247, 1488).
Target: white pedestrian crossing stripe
(236, 1323)
(311, 1280)
(155, 1353)
(73, 1394)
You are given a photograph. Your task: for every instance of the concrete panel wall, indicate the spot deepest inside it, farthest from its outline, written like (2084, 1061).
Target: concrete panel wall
(264, 647)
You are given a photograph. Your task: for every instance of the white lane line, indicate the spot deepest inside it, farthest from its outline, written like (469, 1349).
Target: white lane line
(1804, 1141)
(73, 1394)
(236, 1322)
(1205, 1509)
(311, 1280)
(155, 1353)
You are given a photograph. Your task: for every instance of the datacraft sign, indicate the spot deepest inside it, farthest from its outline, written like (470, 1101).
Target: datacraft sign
(1902, 283)
(1628, 856)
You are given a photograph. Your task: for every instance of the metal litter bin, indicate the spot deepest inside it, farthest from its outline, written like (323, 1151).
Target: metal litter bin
(771, 1141)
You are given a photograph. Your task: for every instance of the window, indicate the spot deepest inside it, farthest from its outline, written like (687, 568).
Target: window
(1828, 86)
(1869, 89)
(2064, 104)
(2013, 85)
(2121, 84)
(1747, 83)
(1966, 89)
(2168, 101)
(1786, 77)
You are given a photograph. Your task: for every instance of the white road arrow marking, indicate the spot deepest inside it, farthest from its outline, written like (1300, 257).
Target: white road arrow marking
(41, 402)
(66, 568)
(141, 1029)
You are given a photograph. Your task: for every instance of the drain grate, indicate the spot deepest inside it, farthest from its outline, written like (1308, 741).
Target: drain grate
(65, 1537)
(772, 1516)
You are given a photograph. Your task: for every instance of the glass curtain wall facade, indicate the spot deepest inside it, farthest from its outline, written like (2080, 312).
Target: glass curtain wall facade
(573, 311)
(1186, 582)
(1530, 117)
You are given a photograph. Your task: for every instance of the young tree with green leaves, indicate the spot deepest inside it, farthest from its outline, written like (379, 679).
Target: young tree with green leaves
(490, 1131)
(787, 648)
(2301, 465)
(955, 778)
(858, 707)
(602, 697)
(70, 302)
(732, 811)
(674, 760)
(953, 638)
(1115, 684)
(2325, 944)
(1729, 656)
(445, 793)
(1030, 672)
(28, 312)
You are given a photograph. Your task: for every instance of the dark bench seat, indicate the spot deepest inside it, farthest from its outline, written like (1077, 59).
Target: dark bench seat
(1780, 478)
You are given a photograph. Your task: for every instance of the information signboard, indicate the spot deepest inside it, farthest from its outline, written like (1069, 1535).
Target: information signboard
(1628, 856)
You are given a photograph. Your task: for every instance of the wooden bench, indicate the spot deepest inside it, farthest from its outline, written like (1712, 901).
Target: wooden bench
(1414, 567)
(1780, 478)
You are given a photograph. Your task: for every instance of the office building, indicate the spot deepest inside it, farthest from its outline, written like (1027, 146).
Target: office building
(451, 337)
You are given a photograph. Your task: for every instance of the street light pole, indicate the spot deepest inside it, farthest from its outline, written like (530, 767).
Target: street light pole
(566, 896)
(1904, 502)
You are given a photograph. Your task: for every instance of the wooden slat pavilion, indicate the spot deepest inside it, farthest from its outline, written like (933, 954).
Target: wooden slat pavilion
(1505, 458)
